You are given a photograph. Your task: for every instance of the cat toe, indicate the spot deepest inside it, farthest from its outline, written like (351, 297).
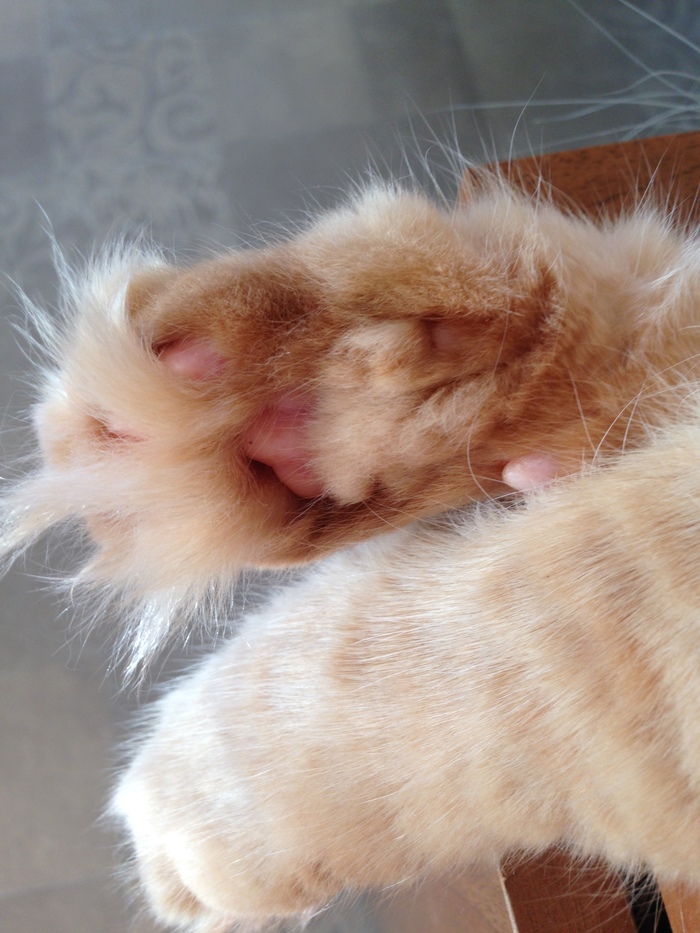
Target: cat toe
(192, 358)
(531, 471)
(189, 359)
(170, 899)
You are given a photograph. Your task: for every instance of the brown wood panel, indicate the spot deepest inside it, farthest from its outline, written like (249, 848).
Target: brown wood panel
(610, 178)
(683, 908)
(607, 179)
(553, 893)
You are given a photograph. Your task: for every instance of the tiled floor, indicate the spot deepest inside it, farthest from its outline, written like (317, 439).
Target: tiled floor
(204, 122)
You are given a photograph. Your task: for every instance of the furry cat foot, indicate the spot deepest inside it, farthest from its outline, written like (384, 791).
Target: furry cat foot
(200, 867)
(271, 406)
(216, 848)
(279, 436)
(196, 874)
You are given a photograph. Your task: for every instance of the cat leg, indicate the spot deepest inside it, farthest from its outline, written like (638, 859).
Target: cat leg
(278, 776)
(545, 692)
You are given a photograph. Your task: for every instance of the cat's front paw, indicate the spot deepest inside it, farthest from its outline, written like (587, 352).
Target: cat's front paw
(218, 818)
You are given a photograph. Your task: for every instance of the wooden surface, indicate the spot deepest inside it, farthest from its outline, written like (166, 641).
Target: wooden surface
(683, 908)
(550, 894)
(607, 179)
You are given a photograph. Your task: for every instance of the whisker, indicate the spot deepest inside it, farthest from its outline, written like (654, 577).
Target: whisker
(581, 412)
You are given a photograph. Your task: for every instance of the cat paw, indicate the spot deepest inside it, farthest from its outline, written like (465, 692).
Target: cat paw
(268, 407)
(217, 842)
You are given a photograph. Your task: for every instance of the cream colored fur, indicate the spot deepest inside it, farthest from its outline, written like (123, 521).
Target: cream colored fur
(498, 678)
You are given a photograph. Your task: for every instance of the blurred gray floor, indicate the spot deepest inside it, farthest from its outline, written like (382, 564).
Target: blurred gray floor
(205, 124)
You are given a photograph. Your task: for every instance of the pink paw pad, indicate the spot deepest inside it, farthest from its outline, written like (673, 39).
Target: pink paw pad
(192, 358)
(278, 439)
(530, 471)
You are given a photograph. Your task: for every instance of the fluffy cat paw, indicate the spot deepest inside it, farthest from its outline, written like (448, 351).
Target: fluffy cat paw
(230, 804)
(273, 405)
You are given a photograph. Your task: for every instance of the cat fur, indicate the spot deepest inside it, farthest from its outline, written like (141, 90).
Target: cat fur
(450, 681)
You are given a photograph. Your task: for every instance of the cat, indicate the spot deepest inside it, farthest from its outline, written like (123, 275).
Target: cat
(480, 427)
